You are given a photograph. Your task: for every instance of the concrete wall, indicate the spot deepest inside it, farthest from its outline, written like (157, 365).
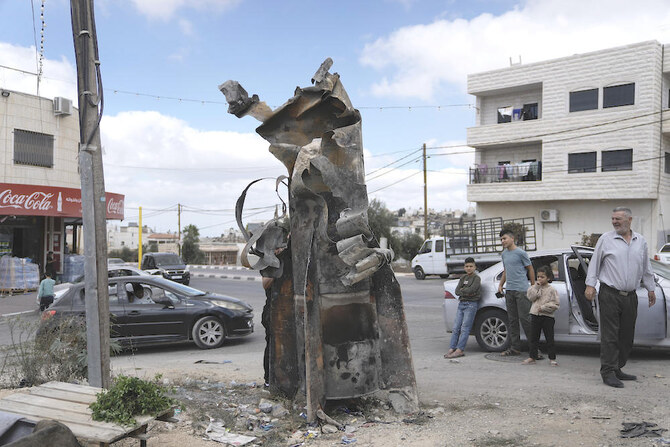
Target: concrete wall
(35, 114)
(577, 217)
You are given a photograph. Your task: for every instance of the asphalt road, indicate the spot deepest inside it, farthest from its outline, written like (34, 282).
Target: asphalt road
(438, 379)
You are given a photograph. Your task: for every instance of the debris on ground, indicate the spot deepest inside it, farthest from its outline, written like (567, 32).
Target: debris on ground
(641, 429)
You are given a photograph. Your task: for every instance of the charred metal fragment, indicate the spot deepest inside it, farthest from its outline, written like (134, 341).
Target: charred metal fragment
(349, 336)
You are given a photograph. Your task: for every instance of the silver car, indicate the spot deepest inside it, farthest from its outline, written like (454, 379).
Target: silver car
(577, 318)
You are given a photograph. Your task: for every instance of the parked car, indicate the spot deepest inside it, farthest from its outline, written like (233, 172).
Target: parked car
(115, 261)
(113, 271)
(663, 254)
(148, 310)
(577, 318)
(169, 265)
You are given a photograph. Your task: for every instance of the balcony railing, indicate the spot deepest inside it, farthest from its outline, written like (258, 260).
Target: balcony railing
(519, 172)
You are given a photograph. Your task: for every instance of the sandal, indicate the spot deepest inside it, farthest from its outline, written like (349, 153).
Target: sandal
(510, 352)
(457, 353)
(553, 363)
(528, 361)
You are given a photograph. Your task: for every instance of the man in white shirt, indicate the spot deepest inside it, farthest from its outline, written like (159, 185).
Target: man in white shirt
(620, 261)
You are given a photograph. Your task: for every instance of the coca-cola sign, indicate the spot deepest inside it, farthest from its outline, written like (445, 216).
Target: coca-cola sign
(35, 200)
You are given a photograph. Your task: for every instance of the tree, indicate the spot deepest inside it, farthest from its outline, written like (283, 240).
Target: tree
(190, 250)
(380, 219)
(410, 243)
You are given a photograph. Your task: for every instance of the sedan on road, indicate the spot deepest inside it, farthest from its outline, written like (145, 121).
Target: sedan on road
(147, 310)
(577, 319)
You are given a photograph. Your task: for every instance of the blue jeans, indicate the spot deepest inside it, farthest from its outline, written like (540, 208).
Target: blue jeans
(465, 316)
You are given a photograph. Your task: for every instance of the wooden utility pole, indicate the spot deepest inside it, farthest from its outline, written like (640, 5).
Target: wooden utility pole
(425, 195)
(93, 203)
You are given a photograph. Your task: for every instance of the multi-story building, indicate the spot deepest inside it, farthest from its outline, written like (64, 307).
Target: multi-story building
(569, 139)
(128, 236)
(40, 196)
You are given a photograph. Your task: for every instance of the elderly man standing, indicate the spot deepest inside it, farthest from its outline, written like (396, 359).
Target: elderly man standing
(619, 262)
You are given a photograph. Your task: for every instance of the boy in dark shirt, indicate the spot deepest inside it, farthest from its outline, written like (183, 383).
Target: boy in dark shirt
(469, 294)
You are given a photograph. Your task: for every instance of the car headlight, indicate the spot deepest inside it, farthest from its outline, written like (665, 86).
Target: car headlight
(188, 268)
(229, 305)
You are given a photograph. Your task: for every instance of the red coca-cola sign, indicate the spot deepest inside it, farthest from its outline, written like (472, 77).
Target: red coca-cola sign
(35, 200)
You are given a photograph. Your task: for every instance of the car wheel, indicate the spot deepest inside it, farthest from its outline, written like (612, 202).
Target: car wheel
(418, 273)
(186, 282)
(209, 333)
(491, 330)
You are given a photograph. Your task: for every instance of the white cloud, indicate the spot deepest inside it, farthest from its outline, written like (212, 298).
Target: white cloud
(59, 76)
(186, 27)
(401, 186)
(167, 9)
(421, 60)
(158, 161)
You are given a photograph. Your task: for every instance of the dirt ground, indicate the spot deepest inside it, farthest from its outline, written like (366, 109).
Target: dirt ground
(487, 403)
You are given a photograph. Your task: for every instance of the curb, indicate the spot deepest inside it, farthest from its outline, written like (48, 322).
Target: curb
(13, 314)
(220, 276)
(218, 267)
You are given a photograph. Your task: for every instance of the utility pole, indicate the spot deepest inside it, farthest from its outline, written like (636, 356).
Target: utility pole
(139, 248)
(179, 228)
(94, 209)
(425, 195)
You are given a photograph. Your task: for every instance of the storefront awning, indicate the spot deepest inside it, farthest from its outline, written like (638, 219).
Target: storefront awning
(36, 200)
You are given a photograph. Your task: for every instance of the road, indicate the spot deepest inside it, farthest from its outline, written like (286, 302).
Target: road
(241, 359)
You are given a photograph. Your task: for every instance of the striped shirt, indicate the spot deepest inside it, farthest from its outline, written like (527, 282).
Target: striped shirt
(620, 264)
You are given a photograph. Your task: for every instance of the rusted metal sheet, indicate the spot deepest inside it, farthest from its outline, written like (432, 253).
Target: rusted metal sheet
(350, 329)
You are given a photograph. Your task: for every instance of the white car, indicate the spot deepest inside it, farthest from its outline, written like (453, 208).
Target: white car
(577, 319)
(663, 254)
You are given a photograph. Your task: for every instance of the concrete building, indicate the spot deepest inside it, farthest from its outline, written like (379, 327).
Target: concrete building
(164, 242)
(569, 139)
(40, 196)
(128, 236)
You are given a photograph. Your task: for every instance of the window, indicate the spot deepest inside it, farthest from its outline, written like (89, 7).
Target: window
(427, 247)
(582, 162)
(584, 100)
(439, 246)
(621, 160)
(505, 114)
(529, 112)
(667, 162)
(33, 148)
(619, 95)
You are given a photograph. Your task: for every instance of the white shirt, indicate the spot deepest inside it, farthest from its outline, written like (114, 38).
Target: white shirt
(620, 264)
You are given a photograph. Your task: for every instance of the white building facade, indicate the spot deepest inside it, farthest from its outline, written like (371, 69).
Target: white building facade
(567, 140)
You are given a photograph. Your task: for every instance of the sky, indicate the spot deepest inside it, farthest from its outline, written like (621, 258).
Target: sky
(168, 139)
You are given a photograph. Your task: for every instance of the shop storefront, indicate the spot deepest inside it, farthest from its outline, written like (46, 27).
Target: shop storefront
(34, 221)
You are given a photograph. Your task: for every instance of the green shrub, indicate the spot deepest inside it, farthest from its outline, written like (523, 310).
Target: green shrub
(129, 397)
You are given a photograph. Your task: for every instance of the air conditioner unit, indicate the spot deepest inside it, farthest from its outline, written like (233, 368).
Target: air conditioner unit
(548, 215)
(62, 106)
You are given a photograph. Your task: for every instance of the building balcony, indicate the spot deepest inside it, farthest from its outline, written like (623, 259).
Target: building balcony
(516, 131)
(518, 172)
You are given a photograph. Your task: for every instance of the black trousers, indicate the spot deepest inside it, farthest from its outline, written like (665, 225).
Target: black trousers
(545, 324)
(617, 328)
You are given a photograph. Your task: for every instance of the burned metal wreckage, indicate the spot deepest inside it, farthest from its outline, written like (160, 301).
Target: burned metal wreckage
(337, 319)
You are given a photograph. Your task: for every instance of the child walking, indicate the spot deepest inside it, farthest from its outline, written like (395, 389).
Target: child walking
(45, 293)
(545, 302)
(469, 293)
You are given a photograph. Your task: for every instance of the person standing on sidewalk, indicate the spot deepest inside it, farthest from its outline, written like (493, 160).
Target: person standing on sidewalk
(620, 261)
(518, 271)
